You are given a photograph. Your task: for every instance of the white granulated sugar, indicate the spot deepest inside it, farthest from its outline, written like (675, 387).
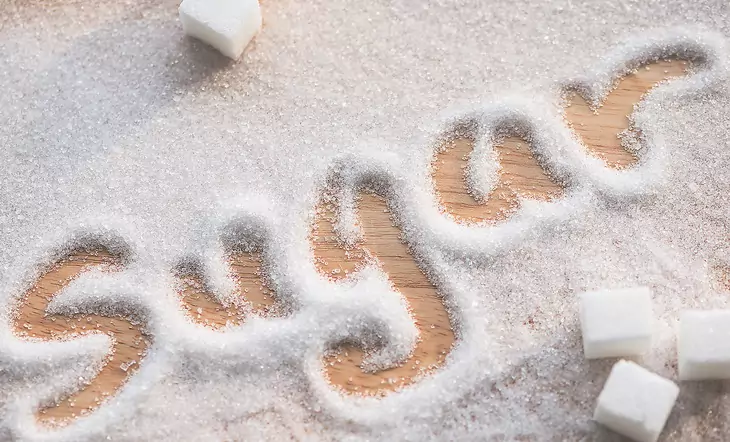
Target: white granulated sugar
(616, 322)
(227, 25)
(703, 345)
(635, 402)
(117, 128)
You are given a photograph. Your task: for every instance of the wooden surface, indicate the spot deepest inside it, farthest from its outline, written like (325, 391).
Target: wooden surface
(599, 130)
(129, 344)
(383, 243)
(520, 175)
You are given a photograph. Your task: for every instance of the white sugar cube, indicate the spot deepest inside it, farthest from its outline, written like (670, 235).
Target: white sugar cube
(703, 345)
(635, 402)
(616, 323)
(227, 25)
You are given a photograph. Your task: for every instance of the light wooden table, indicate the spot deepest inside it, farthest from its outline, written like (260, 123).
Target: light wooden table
(521, 175)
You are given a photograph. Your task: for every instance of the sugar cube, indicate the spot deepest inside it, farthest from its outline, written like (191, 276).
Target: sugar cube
(703, 345)
(635, 402)
(616, 323)
(227, 25)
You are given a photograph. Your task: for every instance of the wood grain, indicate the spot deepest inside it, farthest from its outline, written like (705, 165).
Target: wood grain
(254, 296)
(600, 128)
(520, 175)
(383, 243)
(129, 343)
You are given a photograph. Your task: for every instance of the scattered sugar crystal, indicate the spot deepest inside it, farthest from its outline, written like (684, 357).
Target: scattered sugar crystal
(616, 322)
(227, 25)
(635, 402)
(703, 345)
(125, 366)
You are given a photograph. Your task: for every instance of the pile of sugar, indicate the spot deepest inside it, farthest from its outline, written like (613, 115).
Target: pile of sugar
(116, 127)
